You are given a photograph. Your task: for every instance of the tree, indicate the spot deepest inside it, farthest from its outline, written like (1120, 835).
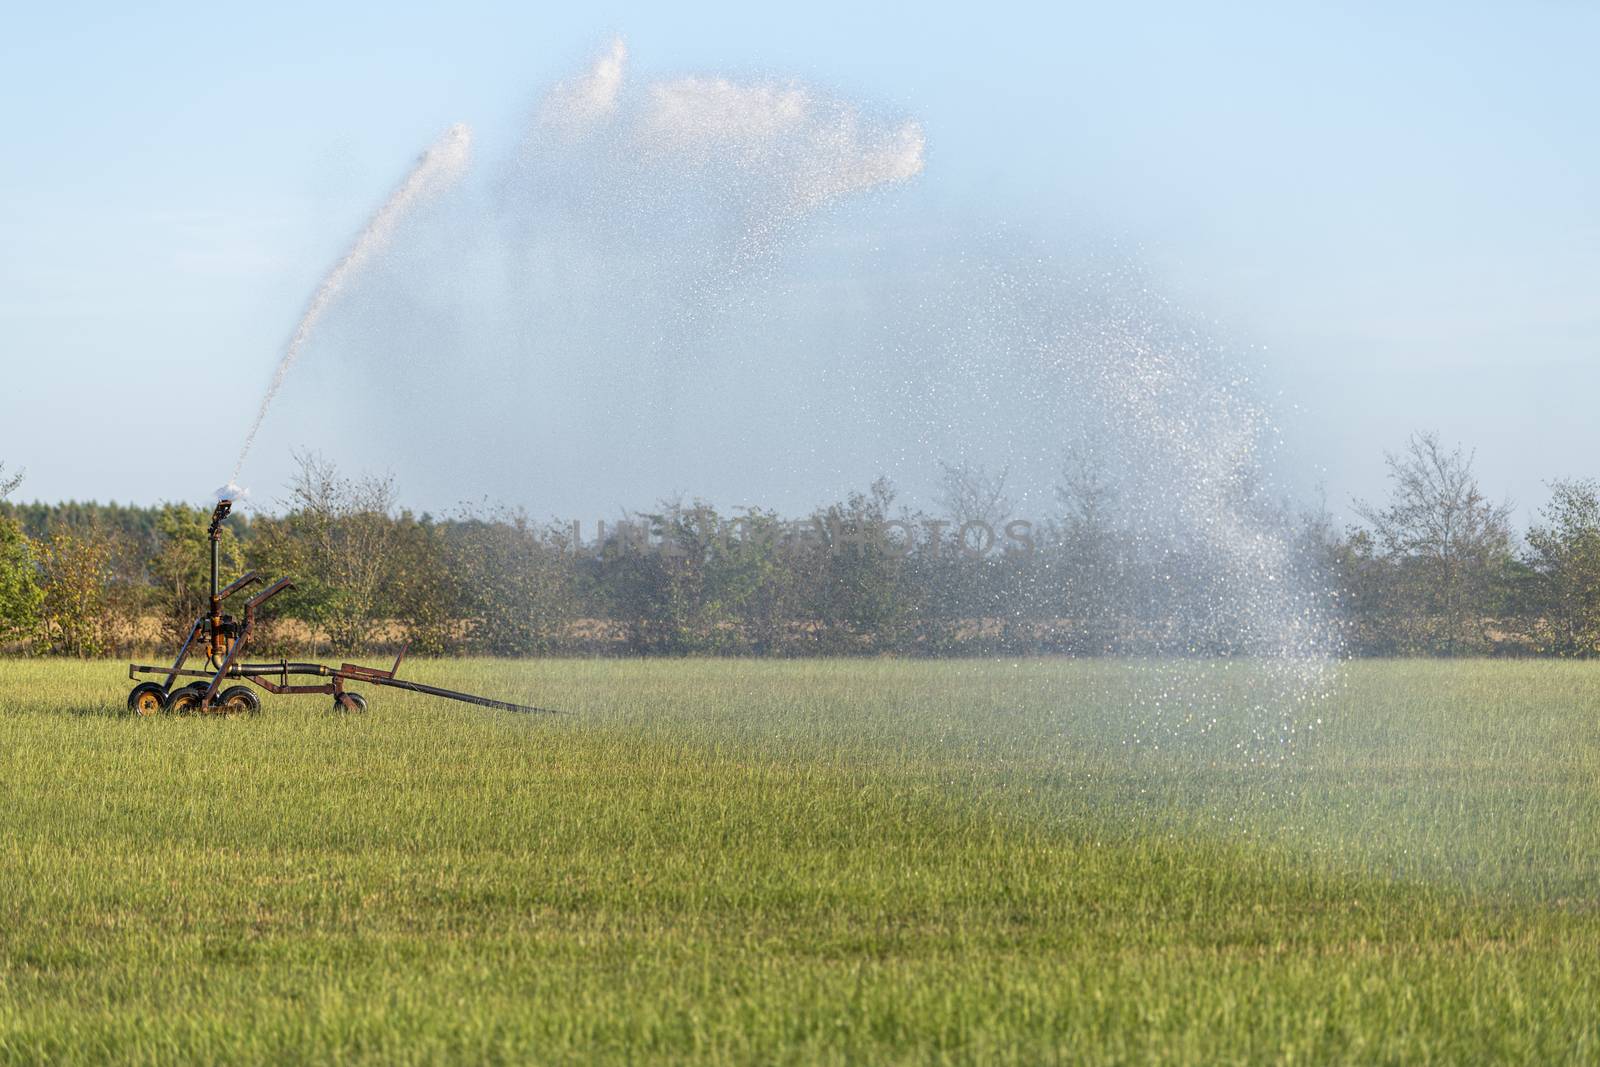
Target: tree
(421, 591)
(77, 572)
(857, 576)
(514, 581)
(1088, 564)
(969, 493)
(182, 566)
(967, 601)
(341, 535)
(1449, 547)
(20, 595)
(1564, 556)
(754, 576)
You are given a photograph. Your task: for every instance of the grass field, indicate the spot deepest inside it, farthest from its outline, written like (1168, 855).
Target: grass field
(771, 862)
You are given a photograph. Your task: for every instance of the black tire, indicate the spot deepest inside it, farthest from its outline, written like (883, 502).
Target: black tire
(186, 701)
(147, 698)
(239, 700)
(349, 703)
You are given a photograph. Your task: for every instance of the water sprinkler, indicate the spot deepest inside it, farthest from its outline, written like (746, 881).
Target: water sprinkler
(224, 639)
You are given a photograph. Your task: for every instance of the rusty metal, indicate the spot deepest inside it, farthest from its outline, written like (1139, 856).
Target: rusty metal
(219, 639)
(225, 640)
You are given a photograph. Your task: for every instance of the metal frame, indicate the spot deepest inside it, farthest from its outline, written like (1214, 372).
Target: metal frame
(226, 641)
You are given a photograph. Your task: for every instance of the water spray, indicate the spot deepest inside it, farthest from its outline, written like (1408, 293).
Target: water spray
(438, 168)
(651, 214)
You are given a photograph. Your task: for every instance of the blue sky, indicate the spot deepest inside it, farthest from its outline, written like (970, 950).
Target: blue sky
(1394, 209)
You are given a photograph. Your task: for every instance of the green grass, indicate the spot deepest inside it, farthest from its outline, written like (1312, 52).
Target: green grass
(771, 862)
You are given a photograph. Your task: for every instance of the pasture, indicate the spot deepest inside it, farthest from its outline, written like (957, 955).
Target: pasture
(829, 861)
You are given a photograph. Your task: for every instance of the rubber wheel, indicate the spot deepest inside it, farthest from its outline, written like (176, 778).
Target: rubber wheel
(186, 701)
(239, 700)
(147, 698)
(350, 702)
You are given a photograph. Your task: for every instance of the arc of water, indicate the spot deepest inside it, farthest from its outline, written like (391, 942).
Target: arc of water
(439, 167)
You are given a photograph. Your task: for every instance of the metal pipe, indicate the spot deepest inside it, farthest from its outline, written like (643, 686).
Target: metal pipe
(450, 694)
(215, 650)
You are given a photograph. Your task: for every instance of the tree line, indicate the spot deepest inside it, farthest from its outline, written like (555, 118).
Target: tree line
(1434, 569)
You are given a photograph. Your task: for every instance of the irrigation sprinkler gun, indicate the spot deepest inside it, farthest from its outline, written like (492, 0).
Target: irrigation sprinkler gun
(224, 639)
